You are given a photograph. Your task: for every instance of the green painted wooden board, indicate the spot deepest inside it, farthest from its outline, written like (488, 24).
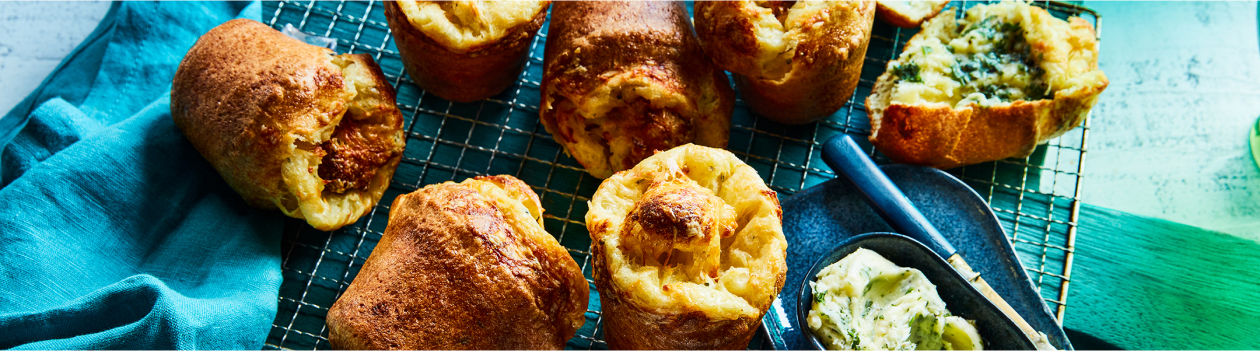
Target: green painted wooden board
(1147, 283)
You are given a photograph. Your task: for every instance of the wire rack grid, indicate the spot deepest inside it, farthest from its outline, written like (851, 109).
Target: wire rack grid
(1037, 199)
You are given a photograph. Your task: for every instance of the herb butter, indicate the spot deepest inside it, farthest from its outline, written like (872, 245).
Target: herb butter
(983, 58)
(865, 302)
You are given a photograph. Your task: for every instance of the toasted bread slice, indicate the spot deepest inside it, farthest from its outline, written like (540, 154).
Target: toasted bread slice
(908, 14)
(992, 85)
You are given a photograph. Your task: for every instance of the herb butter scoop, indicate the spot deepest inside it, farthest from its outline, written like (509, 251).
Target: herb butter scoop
(844, 156)
(866, 302)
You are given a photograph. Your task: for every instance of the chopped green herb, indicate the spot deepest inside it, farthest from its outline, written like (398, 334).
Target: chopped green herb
(1036, 92)
(908, 71)
(1002, 46)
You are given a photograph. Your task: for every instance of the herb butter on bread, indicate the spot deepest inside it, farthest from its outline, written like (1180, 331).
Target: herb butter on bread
(992, 85)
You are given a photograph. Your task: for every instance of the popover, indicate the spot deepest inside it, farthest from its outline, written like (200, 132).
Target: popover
(622, 80)
(289, 125)
(465, 50)
(688, 251)
(794, 61)
(463, 266)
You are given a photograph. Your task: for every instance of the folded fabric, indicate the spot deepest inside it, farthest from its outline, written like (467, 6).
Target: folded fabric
(114, 231)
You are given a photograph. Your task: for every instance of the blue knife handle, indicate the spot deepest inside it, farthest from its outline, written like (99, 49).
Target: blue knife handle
(848, 160)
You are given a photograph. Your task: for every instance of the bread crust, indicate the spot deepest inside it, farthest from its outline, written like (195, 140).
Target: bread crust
(463, 266)
(943, 136)
(462, 75)
(828, 42)
(890, 14)
(732, 264)
(251, 100)
(623, 79)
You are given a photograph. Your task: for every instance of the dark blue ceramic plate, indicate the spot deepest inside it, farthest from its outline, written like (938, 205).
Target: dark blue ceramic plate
(997, 330)
(817, 219)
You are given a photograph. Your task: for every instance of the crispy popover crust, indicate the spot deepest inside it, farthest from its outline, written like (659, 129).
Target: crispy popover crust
(463, 266)
(908, 13)
(623, 79)
(289, 125)
(461, 50)
(688, 251)
(923, 113)
(793, 62)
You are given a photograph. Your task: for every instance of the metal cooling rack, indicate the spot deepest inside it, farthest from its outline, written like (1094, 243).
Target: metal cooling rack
(1037, 199)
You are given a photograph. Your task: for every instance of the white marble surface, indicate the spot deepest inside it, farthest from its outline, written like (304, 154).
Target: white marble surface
(35, 37)
(1168, 137)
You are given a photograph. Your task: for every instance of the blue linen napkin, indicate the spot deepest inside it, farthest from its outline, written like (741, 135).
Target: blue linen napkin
(114, 231)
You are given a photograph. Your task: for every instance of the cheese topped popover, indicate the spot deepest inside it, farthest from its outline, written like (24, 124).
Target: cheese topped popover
(793, 61)
(688, 251)
(464, 25)
(465, 50)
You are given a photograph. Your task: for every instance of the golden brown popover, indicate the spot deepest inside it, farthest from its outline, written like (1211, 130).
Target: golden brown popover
(464, 50)
(908, 13)
(463, 266)
(992, 85)
(624, 79)
(793, 61)
(289, 125)
(688, 251)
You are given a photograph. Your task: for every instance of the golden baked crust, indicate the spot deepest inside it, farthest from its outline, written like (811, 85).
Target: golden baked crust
(908, 13)
(794, 62)
(289, 125)
(464, 50)
(624, 79)
(463, 266)
(1016, 78)
(688, 251)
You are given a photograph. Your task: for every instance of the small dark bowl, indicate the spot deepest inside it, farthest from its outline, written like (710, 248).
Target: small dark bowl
(997, 331)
